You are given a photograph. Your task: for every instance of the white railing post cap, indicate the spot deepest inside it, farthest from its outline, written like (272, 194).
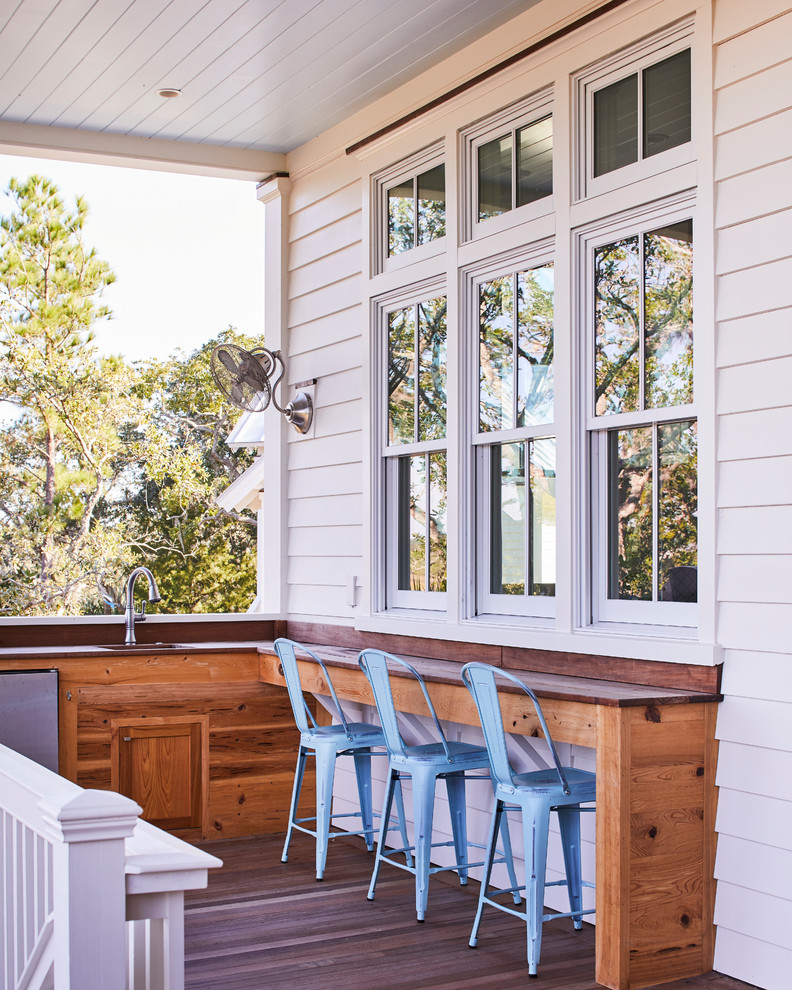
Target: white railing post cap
(89, 816)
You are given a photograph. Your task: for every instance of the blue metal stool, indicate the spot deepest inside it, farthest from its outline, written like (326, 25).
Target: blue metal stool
(326, 743)
(535, 795)
(424, 764)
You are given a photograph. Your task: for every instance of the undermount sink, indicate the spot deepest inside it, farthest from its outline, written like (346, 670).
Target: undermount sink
(142, 646)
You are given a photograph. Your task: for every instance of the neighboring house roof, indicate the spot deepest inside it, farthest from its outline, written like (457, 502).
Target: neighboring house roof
(245, 491)
(248, 432)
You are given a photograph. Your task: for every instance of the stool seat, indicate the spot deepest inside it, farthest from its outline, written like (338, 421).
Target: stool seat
(352, 732)
(456, 756)
(545, 782)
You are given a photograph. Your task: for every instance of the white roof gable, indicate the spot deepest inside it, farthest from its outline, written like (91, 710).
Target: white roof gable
(245, 492)
(248, 432)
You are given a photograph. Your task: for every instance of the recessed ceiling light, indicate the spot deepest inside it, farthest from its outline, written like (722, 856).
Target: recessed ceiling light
(168, 93)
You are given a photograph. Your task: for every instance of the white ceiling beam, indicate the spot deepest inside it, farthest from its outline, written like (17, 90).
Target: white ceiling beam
(153, 154)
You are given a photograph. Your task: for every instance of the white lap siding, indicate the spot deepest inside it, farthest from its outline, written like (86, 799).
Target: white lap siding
(325, 322)
(753, 173)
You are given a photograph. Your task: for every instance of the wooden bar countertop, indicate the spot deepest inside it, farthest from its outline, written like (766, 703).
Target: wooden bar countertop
(561, 687)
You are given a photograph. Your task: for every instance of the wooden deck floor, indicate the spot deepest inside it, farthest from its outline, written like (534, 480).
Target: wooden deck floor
(265, 925)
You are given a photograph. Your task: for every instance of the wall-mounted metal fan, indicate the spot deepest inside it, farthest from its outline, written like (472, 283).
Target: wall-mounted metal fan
(245, 379)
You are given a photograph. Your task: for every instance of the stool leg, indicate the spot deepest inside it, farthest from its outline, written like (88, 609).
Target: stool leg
(363, 775)
(325, 772)
(536, 824)
(295, 800)
(455, 785)
(569, 822)
(497, 813)
(392, 783)
(403, 823)
(508, 856)
(423, 781)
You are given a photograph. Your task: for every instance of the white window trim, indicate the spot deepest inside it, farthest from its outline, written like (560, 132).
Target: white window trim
(643, 54)
(418, 163)
(596, 609)
(516, 115)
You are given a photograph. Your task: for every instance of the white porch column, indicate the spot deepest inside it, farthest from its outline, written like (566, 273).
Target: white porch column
(89, 887)
(273, 515)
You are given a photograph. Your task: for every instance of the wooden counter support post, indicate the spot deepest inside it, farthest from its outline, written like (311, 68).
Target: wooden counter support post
(655, 843)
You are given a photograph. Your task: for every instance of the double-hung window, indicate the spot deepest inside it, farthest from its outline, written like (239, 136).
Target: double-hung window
(515, 450)
(415, 452)
(641, 424)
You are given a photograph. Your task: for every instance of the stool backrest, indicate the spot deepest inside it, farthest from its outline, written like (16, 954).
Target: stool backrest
(286, 650)
(374, 664)
(480, 680)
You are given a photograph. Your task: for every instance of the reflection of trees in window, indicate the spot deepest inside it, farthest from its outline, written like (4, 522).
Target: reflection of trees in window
(643, 321)
(678, 502)
(417, 415)
(631, 524)
(617, 327)
(416, 210)
(653, 526)
(417, 340)
(522, 537)
(421, 513)
(516, 359)
(668, 321)
(401, 376)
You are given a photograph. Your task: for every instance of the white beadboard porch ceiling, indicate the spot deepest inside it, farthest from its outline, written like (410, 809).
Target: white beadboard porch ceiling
(254, 75)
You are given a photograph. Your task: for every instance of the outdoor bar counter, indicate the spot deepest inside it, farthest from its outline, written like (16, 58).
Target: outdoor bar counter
(656, 796)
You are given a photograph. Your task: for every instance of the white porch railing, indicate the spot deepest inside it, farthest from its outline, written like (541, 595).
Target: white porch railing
(91, 898)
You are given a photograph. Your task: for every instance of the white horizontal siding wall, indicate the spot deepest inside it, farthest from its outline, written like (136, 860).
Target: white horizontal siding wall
(753, 262)
(325, 508)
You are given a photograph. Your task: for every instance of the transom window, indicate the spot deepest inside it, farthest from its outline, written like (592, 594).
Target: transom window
(515, 168)
(416, 210)
(507, 166)
(643, 115)
(409, 209)
(635, 111)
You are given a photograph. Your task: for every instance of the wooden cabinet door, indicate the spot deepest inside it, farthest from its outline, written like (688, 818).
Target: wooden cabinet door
(161, 767)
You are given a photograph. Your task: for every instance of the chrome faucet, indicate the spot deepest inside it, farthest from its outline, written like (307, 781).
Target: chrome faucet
(130, 615)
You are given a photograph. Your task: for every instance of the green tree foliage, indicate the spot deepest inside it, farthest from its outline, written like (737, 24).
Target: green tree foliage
(103, 465)
(62, 451)
(205, 557)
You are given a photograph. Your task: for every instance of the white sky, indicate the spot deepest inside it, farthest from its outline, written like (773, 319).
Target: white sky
(187, 251)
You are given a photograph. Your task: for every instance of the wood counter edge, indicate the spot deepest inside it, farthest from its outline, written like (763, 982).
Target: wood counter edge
(561, 687)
